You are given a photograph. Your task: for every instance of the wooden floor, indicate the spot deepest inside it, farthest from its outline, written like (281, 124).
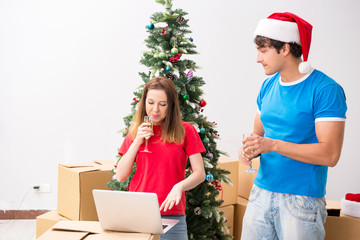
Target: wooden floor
(18, 229)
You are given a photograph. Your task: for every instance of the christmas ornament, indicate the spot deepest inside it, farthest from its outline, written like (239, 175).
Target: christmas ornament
(185, 97)
(171, 76)
(206, 140)
(217, 185)
(209, 155)
(163, 31)
(197, 211)
(191, 39)
(135, 100)
(168, 68)
(202, 103)
(174, 51)
(180, 20)
(202, 130)
(175, 58)
(189, 75)
(150, 26)
(162, 55)
(206, 202)
(209, 177)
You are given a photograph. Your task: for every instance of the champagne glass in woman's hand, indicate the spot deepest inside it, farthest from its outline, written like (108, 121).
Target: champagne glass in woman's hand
(147, 119)
(248, 153)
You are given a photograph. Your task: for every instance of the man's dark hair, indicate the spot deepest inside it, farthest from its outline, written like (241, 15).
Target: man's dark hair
(295, 49)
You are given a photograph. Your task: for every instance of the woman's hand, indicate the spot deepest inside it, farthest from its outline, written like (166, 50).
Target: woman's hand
(143, 131)
(196, 177)
(173, 198)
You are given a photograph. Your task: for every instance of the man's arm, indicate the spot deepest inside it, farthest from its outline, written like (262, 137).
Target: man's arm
(326, 152)
(258, 126)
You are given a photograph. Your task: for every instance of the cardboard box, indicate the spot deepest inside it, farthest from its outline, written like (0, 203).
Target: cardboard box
(240, 208)
(90, 230)
(75, 185)
(229, 193)
(45, 221)
(337, 225)
(229, 215)
(340, 226)
(246, 179)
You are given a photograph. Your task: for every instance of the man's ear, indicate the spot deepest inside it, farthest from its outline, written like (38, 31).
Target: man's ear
(285, 50)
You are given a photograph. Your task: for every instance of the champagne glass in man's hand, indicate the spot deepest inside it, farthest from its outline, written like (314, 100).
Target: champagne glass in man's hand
(248, 153)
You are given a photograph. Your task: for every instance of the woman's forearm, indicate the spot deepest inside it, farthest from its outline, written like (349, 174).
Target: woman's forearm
(126, 162)
(198, 174)
(192, 180)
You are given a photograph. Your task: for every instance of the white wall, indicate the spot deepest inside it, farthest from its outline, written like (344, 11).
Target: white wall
(68, 70)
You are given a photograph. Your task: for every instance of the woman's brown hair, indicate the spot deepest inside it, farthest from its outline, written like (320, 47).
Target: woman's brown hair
(172, 127)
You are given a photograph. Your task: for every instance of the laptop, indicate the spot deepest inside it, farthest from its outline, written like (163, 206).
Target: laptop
(130, 212)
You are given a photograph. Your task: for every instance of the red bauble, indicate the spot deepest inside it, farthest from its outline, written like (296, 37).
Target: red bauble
(202, 103)
(135, 100)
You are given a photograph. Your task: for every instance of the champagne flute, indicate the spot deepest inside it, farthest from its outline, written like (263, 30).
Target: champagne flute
(147, 119)
(247, 154)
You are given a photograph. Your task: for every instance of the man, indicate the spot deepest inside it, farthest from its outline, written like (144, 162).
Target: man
(298, 131)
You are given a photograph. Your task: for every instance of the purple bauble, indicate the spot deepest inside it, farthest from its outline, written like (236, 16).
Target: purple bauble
(210, 155)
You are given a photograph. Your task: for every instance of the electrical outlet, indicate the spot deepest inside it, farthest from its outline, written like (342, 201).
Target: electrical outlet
(45, 188)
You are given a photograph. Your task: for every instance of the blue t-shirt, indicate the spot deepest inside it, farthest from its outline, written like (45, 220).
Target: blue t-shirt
(288, 112)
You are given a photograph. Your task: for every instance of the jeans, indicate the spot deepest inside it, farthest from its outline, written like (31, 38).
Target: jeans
(177, 232)
(272, 216)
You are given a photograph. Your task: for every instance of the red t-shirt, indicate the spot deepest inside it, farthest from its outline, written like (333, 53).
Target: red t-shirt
(161, 169)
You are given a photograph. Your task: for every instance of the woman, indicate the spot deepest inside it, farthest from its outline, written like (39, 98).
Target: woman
(171, 143)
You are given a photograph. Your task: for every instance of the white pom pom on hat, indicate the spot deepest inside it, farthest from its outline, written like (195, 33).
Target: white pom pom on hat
(304, 67)
(288, 27)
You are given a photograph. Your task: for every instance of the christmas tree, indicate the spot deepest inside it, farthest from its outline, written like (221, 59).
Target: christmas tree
(168, 43)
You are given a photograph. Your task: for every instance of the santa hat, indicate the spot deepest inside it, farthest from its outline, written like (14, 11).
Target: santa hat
(351, 204)
(287, 27)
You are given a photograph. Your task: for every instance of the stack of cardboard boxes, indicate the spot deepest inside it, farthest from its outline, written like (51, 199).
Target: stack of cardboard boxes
(228, 192)
(75, 203)
(75, 216)
(75, 185)
(237, 195)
